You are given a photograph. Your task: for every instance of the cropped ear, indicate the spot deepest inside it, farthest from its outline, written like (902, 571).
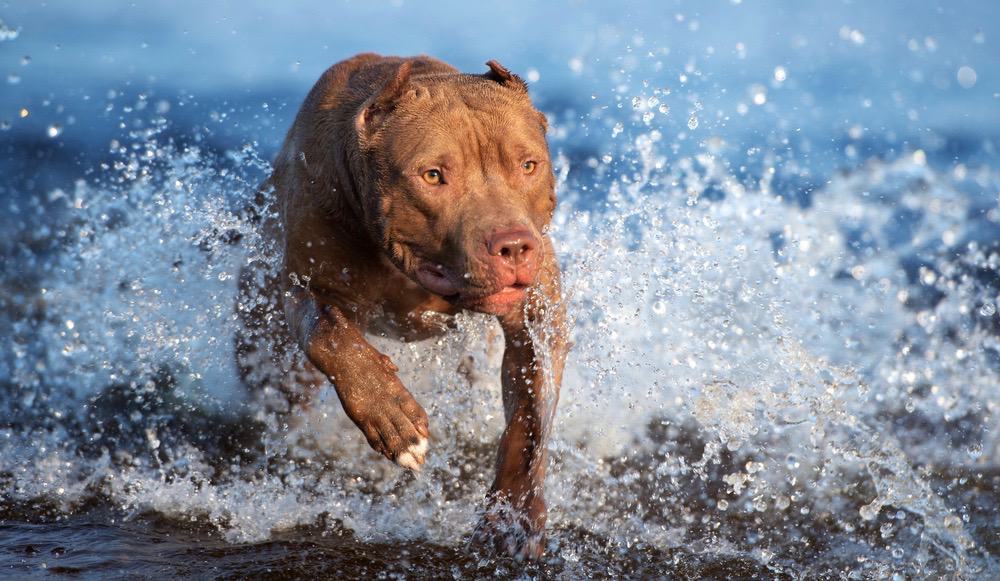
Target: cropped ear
(378, 106)
(500, 74)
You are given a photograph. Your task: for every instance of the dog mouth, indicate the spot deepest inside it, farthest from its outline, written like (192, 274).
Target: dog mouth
(496, 303)
(436, 279)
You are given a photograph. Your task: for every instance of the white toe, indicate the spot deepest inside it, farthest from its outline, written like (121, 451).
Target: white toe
(413, 457)
(419, 449)
(406, 460)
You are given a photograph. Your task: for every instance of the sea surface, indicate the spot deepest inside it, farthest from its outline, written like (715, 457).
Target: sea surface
(779, 225)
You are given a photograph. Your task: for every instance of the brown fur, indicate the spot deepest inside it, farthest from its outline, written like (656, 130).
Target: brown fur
(375, 245)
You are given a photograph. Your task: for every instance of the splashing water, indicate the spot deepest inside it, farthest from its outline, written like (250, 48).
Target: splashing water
(750, 385)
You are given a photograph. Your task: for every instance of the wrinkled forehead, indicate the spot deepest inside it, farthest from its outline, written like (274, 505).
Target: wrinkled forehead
(473, 123)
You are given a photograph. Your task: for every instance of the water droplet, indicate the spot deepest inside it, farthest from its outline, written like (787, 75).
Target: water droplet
(8, 33)
(966, 77)
(953, 523)
(870, 511)
(693, 122)
(988, 309)
(852, 35)
(780, 74)
(54, 130)
(885, 531)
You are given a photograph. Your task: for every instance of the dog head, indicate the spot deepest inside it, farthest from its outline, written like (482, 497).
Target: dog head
(462, 187)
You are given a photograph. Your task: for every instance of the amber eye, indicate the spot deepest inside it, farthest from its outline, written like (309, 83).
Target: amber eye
(529, 166)
(433, 176)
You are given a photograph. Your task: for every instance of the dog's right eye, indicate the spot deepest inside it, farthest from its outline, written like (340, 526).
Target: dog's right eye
(433, 176)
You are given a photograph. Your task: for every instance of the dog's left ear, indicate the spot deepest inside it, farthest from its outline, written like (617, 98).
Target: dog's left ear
(500, 74)
(378, 107)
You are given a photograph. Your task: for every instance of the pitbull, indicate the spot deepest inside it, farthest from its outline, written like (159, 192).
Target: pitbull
(406, 189)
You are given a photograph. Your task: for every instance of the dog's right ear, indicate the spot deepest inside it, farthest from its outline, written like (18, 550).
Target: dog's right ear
(378, 106)
(502, 75)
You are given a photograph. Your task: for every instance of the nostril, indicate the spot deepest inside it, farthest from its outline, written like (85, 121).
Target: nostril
(512, 246)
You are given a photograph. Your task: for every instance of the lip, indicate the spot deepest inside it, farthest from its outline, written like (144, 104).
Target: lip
(435, 279)
(499, 302)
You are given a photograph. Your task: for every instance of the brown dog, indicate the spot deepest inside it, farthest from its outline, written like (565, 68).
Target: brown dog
(405, 188)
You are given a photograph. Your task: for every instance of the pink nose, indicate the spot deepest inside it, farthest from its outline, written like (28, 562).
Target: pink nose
(513, 247)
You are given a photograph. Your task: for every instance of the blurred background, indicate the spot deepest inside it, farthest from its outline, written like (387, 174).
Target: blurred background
(879, 76)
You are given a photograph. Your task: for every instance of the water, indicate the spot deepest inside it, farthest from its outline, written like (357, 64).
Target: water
(779, 234)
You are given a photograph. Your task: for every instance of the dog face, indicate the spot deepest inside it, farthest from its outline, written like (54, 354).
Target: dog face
(463, 184)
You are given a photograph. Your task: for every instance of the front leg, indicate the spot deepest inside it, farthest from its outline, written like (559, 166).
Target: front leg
(535, 353)
(366, 382)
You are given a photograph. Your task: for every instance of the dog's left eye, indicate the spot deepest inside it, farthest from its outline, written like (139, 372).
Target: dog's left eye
(529, 166)
(433, 176)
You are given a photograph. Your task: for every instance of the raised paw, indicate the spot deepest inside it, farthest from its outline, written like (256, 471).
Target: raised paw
(395, 426)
